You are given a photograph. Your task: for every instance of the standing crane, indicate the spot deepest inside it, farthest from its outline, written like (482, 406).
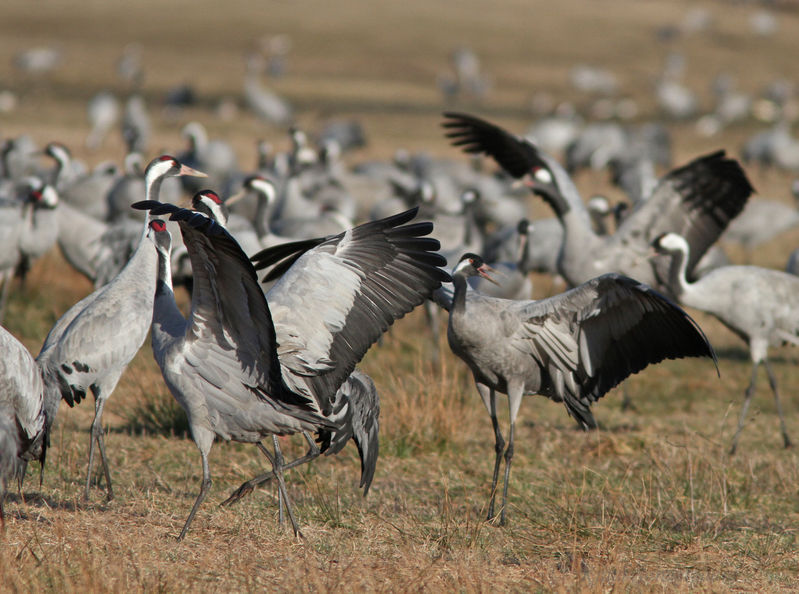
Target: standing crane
(355, 408)
(758, 304)
(222, 363)
(90, 346)
(572, 347)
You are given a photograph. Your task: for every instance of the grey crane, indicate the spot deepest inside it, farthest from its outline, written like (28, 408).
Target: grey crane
(696, 200)
(22, 418)
(103, 113)
(223, 364)
(572, 347)
(758, 304)
(356, 405)
(267, 105)
(28, 229)
(90, 346)
(212, 156)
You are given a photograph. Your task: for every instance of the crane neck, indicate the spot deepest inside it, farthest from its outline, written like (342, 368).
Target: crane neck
(678, 272)
(163, 287)
(459, 296)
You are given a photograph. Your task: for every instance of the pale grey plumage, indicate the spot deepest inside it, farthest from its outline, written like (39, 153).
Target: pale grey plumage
(759, 222)
(758, 304)
(91, 344)
(22, 418)
(222, 364)
(572, 348)
(96, 249)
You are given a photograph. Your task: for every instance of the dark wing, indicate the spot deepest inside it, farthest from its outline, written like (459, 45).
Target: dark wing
(339, 297)
(697, 201)
(474, 135)
(592, 337)
(228, 307)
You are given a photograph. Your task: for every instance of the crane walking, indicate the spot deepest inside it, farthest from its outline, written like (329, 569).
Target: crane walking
(758, 304)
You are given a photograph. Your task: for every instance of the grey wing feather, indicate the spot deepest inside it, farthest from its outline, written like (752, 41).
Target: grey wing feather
(589, 339)
(348, 290)
(697, 201)
(356, 410)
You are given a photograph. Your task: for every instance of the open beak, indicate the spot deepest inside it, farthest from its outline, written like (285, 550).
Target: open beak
(484, 270)
(186, 170)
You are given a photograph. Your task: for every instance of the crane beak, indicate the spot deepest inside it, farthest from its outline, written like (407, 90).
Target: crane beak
(484, 270)
(236, 197)
(186, 170)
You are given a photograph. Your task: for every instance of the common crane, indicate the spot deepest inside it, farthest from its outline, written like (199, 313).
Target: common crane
(222, 363)
(572, 347)
(758, 304)
(90, 346)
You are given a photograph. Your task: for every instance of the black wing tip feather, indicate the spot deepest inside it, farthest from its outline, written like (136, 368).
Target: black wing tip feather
(725, 169)
(676, 335)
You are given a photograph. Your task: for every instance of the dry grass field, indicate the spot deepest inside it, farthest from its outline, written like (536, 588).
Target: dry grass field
(650, 502)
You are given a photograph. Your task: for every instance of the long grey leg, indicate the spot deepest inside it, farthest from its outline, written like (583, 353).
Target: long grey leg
(97, 436)
(489, 397)
(279, 461)
(747, 400)
(281, 485)
(773, 382)
(515, 394)
(262, 479)
(204, 487)
(508, 458)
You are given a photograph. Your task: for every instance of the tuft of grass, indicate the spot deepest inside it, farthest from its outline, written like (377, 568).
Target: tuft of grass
(157, 414)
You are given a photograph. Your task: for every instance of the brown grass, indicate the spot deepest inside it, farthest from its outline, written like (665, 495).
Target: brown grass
(649, 502)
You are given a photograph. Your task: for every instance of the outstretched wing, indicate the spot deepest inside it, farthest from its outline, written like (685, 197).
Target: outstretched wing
(228, 308)
(697, 201)
(341, 295)
(474, 135)
(592, 337)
